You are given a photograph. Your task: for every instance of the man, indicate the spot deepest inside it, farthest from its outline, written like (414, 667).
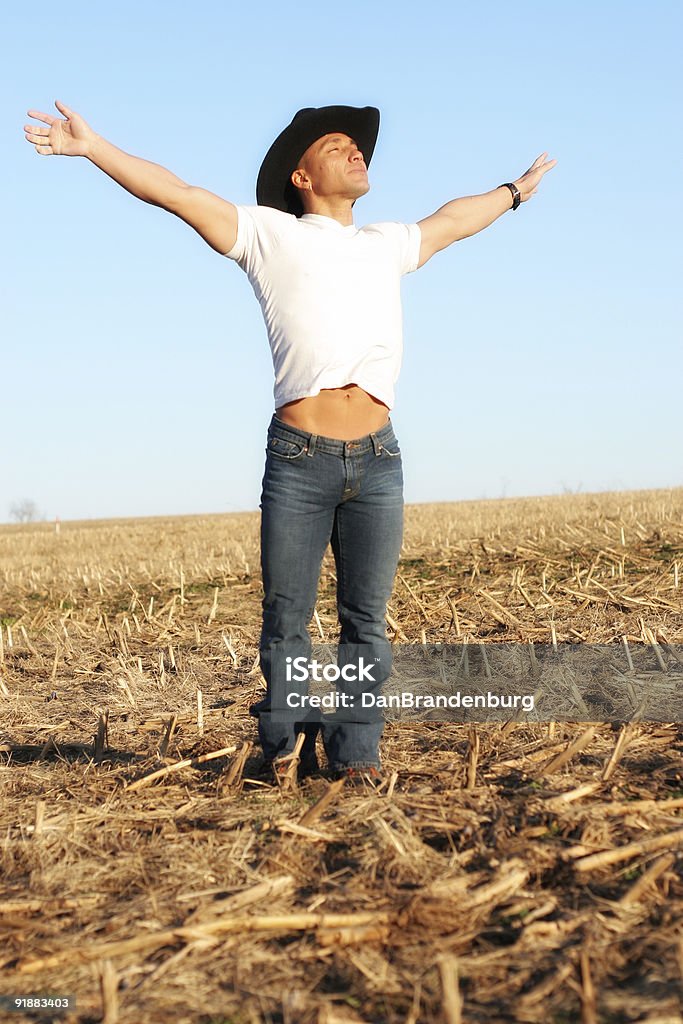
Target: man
(329, 293)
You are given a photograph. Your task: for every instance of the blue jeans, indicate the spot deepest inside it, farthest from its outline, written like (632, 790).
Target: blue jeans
(318, 490)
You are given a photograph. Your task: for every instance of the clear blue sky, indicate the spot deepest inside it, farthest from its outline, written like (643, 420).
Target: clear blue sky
(542, 355)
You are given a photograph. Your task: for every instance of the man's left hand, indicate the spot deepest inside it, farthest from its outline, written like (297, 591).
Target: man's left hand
(528, 182)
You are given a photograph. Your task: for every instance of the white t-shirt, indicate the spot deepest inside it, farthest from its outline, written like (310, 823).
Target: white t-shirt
(330, 297)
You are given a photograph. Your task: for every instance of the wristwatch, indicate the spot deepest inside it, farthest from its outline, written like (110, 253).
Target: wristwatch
(516, 198)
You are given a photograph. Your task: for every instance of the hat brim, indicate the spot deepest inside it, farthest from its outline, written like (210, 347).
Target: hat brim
(273, 186)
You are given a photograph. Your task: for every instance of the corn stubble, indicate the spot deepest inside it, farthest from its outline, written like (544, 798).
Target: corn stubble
(517, 872)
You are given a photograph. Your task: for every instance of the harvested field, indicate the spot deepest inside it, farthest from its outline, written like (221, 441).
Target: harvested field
(504, 872)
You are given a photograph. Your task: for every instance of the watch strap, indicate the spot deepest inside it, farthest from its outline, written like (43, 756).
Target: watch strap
(516, 197)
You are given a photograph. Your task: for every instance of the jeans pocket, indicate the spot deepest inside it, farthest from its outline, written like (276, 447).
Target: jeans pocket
(391, 449)
(285, 449)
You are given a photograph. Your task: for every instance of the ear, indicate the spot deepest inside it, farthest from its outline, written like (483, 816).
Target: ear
(300, 179)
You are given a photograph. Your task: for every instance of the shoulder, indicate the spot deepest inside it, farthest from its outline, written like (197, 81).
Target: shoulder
(265, 219)
(267, 214)
(259, 228)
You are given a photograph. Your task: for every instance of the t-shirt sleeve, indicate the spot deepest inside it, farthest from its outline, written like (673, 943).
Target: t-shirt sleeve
(245, 236)
(405, 240)
(258, 232)
(410, 249)
(246, 230)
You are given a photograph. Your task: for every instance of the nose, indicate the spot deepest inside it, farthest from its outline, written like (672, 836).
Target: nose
(356, 154)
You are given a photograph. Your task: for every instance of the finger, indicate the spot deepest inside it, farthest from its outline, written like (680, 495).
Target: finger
(44, 150)
(35, 133)
(538, 167)
(64, 110)
(40, 144)
(47, 118)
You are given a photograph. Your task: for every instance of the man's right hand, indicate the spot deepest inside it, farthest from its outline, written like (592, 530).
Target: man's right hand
(71, 137)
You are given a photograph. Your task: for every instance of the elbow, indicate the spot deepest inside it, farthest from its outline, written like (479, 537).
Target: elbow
(178, 199)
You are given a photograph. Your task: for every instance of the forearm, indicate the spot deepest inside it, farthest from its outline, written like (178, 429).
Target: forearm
(474, 213)
(147, 181)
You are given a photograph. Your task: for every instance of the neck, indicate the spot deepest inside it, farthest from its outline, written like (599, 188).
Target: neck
(339, 209)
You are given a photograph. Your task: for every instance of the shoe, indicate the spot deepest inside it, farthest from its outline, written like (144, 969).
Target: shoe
(365, 778)
(279, 770)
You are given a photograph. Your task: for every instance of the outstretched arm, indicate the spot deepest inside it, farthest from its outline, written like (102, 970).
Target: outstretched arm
(215, 219)
(464, 217)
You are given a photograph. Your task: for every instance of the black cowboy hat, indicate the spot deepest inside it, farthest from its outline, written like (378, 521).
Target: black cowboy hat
(273, 186)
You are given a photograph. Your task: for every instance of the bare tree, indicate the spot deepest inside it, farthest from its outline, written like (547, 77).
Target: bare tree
(24, 511)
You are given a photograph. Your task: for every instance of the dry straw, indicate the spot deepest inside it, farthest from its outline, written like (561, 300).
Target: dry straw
(519, 872)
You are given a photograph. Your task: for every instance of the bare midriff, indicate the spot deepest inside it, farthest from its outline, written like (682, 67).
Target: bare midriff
(343, 413)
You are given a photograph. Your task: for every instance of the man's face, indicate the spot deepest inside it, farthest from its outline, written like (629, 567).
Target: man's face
(333, 166)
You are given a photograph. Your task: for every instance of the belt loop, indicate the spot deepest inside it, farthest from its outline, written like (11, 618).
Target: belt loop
(377, 445)
(311, 445)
